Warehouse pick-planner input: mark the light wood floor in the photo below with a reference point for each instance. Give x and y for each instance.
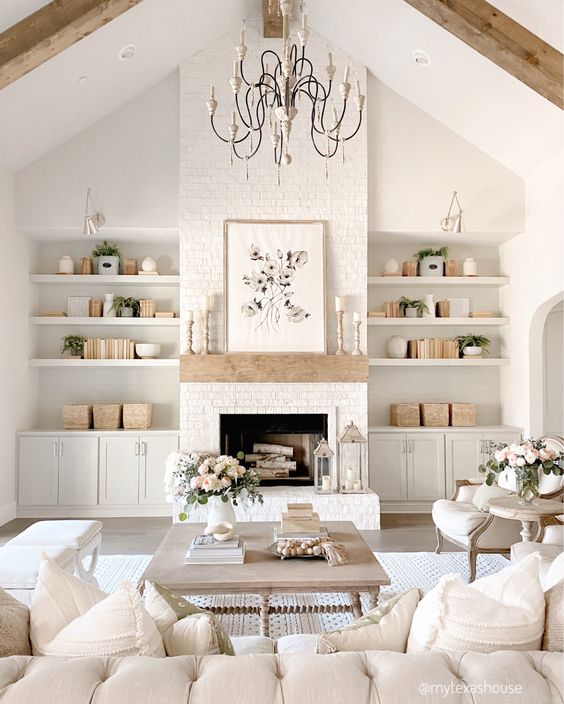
(401, 532)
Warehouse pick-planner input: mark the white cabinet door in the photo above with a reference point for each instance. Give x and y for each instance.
(387, 456)
(425, 466)
(463, 457)
(78, 471)
(38, 471)
(119, 470)
(154, 451)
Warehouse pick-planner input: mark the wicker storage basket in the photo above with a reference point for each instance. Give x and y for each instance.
(77, 417)
(107, 416)
(462, 415)
(404, 415)
(137, 416)
(434, 415)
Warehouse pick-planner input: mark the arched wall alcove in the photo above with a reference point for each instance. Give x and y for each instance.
(536, 363)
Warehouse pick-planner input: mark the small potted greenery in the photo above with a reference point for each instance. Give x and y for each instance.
(107, 257)
(431, 261)
(412, 307)
(472, 345)
(73, 346)
(126, 307)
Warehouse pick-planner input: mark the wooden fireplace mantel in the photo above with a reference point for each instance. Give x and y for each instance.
(277, 368)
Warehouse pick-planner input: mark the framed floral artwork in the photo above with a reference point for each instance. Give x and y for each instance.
(274, 286)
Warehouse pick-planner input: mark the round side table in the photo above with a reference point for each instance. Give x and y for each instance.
(513, 507)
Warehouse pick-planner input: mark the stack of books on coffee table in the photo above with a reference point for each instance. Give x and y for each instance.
(206, 550)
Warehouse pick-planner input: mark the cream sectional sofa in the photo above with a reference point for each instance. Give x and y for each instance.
(376, 677)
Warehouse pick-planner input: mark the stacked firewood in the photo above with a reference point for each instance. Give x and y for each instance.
(272, 461)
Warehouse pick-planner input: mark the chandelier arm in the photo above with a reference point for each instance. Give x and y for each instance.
(243, 73)
(247, 125)
(263, 101)
(251, 155)
(315, 144)
(346, 139)
(215, 130)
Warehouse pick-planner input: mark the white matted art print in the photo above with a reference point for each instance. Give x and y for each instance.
(274, 285)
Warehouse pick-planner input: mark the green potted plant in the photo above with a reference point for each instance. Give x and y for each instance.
(107, 257)
(412, 307)
(126, 307)
(472, 345)
(431, 261)
(73, 346)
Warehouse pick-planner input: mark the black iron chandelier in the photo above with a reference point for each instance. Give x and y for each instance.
(268, 106)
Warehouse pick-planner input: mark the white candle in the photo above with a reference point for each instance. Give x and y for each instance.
(275, 127)
(346, 75)
(205, 302)
(357, 86)
(233, 118)
(190, 316)
(330, 58)
(212, 91)
(236, 68)
(242, 34)
(339, 304)
(335, 116)
(356, 317)
(326, 483)
(351, 474)
(304, 21)
(348, 485)
(357, 486)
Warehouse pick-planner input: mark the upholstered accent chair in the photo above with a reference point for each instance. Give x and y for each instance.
(479, 532)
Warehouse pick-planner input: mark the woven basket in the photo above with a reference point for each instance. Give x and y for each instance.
(462, 415)
(405, 415)
(77, 417)
(107, 416)
(137, 416)
(409, 268)
(434, 415)
(130, 267)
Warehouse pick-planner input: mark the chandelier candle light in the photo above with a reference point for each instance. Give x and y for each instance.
(269, 104)
(340, 309)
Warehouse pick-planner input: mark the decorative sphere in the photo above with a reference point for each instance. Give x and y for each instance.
(286, 159)
(149, 264)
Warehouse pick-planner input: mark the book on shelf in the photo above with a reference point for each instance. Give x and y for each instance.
(112, 348)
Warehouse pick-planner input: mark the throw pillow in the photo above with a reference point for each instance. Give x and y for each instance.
(485, 493)
(70, 618)
(186, 629)
(14, 626)
(554, 620)
(554, 573)
(383, 628)
(504, 611)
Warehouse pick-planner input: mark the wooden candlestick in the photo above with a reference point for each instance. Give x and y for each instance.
(189, 349)
(205, 332)
(356, 350)
(340, 349)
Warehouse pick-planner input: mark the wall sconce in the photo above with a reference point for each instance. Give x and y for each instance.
(453, 221)
(93, 220)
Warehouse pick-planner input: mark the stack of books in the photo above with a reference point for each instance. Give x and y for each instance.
(432, 349)
(206, 550)
(96, 348)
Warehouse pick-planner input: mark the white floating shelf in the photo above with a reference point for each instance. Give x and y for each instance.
(82, 363)
(439, 322)
(104, 280)
(102, 322)
(482, 362)
(432, 281)
(122, 234)
(438, 237)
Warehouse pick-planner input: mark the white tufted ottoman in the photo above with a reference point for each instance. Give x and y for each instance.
(19, 565)
(84, 538)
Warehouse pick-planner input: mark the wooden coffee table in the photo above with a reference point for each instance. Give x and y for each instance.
(264, 574)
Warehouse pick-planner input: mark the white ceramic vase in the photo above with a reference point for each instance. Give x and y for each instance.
(411, 313)
(430, 303)
(66, 265)
(109, 310)
(472, 351)
(470, 267)
(397, 347)
(220, 511)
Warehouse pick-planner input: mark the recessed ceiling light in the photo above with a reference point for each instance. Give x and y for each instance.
(82, 81)
(421, 57)
(127, 52)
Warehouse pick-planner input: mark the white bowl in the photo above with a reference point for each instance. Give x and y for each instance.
(472, 351)
(147, 350)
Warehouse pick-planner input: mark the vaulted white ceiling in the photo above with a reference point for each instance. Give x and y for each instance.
(460, 88)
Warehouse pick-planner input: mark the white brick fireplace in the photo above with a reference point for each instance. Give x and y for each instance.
(212, 191)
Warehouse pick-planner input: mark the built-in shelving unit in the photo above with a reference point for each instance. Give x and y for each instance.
(441, 322)
(103, 322)
(480, 362)
(70, 362)
(433, 281)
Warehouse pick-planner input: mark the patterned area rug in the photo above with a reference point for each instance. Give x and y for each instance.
(406, 570)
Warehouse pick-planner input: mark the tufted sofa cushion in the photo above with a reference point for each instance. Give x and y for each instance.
(375, 677)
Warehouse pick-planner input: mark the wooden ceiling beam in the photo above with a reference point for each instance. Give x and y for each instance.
(52, 29)
(502, 40)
